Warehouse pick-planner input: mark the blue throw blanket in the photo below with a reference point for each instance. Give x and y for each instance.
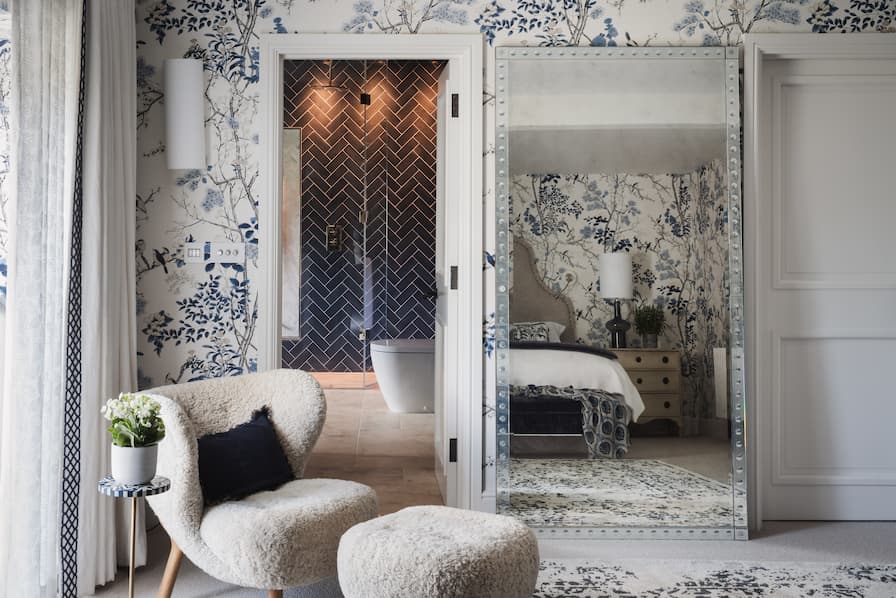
(605, 417)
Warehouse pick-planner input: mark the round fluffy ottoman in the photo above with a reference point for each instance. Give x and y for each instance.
(438, 552)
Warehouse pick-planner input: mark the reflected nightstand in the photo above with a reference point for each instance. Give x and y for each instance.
(656, 373)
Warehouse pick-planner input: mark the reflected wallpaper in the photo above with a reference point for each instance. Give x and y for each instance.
(5, 141)
(676, 228)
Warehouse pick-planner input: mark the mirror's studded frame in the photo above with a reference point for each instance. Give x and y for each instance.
(730, 55)
(736, 294)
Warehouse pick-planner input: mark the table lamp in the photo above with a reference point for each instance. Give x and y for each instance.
(616, 284)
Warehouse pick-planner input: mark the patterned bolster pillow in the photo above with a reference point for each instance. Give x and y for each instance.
(538, 332)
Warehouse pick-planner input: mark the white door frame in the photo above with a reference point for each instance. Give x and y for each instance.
(464, 53)
(759, 48)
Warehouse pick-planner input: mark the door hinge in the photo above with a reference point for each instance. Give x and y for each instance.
(452, 450)
(455, 105)
(453, 278)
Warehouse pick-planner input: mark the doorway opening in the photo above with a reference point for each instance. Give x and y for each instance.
(358, 242)
(370, 278)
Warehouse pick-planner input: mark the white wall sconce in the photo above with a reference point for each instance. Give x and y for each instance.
(184, 114)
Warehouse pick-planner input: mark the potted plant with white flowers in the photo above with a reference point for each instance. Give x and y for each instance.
(136, 428)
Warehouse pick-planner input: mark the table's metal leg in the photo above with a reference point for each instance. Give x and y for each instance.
(133, 545)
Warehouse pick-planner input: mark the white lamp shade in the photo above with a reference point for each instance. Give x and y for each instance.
(184, 114)
(616, 276)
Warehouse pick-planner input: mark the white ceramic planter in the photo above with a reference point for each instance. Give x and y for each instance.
(134, 465)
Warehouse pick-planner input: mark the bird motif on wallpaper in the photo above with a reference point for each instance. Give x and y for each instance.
(160, 258)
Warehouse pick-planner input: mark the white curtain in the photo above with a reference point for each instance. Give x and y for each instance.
(108, 300)
(46, 79)
(46, 35)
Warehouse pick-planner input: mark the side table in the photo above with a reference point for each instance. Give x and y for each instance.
(656, 373)
(110, 487)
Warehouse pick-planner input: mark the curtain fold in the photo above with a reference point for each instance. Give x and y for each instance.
(70, 339)
(108, 298)
(44, 99)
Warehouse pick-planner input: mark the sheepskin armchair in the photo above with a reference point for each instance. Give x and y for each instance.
(272, 539)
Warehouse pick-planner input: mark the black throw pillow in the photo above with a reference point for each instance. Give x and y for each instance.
(241, 461)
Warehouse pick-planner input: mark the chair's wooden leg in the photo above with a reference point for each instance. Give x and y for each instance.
(275, 593)
(171, 569)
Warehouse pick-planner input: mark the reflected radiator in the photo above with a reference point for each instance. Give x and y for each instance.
(720, 374)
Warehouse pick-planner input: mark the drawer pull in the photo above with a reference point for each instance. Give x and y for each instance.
(667, 404)
(638, 359)
(640, 381)
(665, 381)
(665, 359)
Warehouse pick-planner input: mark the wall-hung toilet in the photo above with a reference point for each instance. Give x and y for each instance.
(405, 371)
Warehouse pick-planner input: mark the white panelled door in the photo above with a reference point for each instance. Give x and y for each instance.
(821, 221)
(446, 346)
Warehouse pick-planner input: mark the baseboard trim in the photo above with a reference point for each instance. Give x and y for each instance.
(714, 428)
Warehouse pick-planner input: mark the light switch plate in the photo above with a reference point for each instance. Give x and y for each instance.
(194, 253)
(228, 253)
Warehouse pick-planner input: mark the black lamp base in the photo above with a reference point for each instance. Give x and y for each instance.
(618, 327)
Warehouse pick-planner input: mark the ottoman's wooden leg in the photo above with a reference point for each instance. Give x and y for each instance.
(275, 593)
(171, 569)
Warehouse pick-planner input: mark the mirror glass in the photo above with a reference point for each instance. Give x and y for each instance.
(616, 338)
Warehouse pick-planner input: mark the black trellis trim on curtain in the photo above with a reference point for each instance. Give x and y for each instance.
(71, 427)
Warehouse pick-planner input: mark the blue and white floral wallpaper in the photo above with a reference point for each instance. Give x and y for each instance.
(195, 322)
(5, 142)
(675, 226)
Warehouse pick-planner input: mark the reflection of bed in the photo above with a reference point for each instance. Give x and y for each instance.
(532, 301)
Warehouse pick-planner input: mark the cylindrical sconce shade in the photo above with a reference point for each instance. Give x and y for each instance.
(184, 114)
(616, 276)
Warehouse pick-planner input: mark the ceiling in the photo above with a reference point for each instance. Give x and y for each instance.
(635, 150)
(604, 116)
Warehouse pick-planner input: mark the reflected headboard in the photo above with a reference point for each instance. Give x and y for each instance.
(530, 298)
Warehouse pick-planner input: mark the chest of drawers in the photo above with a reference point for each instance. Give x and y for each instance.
(656, 373)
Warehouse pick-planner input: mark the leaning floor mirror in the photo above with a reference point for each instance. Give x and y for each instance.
(620, 399)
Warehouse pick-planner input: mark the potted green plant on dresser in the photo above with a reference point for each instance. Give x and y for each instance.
(649, 322)
(136, 427)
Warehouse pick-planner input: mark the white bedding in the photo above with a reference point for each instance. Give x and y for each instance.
(552, 367)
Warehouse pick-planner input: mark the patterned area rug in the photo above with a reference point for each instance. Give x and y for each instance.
(686, 579)
(615, 493)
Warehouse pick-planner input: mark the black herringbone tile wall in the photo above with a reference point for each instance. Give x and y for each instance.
(379, 290)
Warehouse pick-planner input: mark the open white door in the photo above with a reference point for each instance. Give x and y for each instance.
(446, 350)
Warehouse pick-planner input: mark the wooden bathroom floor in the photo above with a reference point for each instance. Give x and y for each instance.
(364, 442)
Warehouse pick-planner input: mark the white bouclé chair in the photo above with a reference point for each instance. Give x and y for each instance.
(270, 540)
